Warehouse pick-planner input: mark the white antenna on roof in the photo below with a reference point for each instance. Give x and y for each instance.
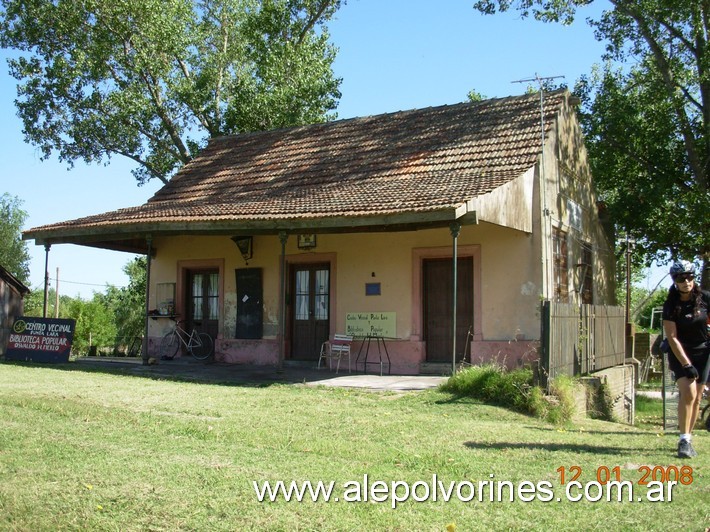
(545, 211)
(541, 83)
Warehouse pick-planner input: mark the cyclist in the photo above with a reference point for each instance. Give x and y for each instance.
(685, 317)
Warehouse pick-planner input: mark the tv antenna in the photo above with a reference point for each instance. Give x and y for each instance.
(547, 221)
(540, 79)
(541, 82)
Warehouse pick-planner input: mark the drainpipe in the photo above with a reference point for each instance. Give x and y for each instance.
(283, 238)
(546, 235)
(46, 278)
(455, 228)
(149, 241)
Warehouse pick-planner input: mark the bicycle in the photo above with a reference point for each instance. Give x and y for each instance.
(198, 344)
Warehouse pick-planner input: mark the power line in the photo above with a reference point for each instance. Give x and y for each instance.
(64, 281)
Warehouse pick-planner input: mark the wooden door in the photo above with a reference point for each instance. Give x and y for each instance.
(203, 301)
(310, 314)
(250, 305)
(438, 304)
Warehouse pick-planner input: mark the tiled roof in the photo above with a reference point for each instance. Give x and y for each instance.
(404, 162)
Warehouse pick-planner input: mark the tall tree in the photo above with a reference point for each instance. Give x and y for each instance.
(128, 303)
(94, 322)
(647, 118)
(151, 80)
(14, 255)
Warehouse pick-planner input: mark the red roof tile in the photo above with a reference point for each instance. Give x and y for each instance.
(405, 162)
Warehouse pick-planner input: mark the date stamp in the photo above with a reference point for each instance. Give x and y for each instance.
(681, 475)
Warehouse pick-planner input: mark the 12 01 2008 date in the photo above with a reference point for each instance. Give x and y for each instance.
(604, 474)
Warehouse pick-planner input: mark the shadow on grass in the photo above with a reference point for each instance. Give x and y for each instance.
(555, 447)
(632, 430)
(190, 372)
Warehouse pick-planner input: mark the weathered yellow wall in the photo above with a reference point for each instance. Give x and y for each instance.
(508, 272)
(569, 178)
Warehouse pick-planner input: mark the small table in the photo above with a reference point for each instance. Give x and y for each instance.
(366, 340)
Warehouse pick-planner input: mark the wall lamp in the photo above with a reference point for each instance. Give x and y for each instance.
(245, 245)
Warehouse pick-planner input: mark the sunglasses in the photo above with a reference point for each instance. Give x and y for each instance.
(684, 277)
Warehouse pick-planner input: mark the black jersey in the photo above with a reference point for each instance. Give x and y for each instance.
(691, 326)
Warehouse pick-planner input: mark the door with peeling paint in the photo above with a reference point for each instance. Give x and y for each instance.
(438, 303)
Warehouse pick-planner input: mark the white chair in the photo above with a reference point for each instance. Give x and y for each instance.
(336, 349)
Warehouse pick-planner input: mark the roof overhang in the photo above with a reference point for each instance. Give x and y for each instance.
(133, 237)
(13, 282)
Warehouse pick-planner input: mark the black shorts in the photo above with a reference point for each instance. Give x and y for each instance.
(699, 360)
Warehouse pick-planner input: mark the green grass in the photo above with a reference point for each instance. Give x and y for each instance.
(649, 413)
(496, 385)
(656, 384)
(91, 451)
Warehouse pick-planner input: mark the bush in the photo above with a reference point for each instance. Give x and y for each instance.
(496, 385)
(602, 403)
(562, 388)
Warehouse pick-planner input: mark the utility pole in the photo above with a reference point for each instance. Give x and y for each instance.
(630, 242)
(56, 296)
(46, 279)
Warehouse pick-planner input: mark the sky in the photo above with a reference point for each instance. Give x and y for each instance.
(393, 55)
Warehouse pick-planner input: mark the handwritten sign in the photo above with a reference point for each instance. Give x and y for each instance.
(371, 324)
(40, 340)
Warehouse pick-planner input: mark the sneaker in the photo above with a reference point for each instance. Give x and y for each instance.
(685, 450)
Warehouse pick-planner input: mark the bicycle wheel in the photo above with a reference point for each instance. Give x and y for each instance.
(169, 346)
(201, 347)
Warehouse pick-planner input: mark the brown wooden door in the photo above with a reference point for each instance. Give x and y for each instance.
(438, 304)
(310, 304)
(203, 301)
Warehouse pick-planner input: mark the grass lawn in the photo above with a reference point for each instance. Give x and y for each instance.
(95, 451)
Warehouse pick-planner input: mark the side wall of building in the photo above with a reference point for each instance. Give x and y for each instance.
(11, 306)
(574, 211)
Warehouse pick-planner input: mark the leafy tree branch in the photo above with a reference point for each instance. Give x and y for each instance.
(646, 117)
(152, 80)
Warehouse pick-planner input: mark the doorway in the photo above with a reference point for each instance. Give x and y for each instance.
(438, 303)
(310, 309)
(203, 301)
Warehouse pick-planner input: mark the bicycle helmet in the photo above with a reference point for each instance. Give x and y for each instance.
(682, 266)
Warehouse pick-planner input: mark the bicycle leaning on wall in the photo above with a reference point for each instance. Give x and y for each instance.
(198, 344)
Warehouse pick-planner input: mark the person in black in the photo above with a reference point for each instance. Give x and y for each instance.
(685, 324)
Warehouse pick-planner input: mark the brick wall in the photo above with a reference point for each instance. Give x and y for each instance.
(619, 382)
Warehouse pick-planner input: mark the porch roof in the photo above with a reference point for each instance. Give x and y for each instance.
(404, 170)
